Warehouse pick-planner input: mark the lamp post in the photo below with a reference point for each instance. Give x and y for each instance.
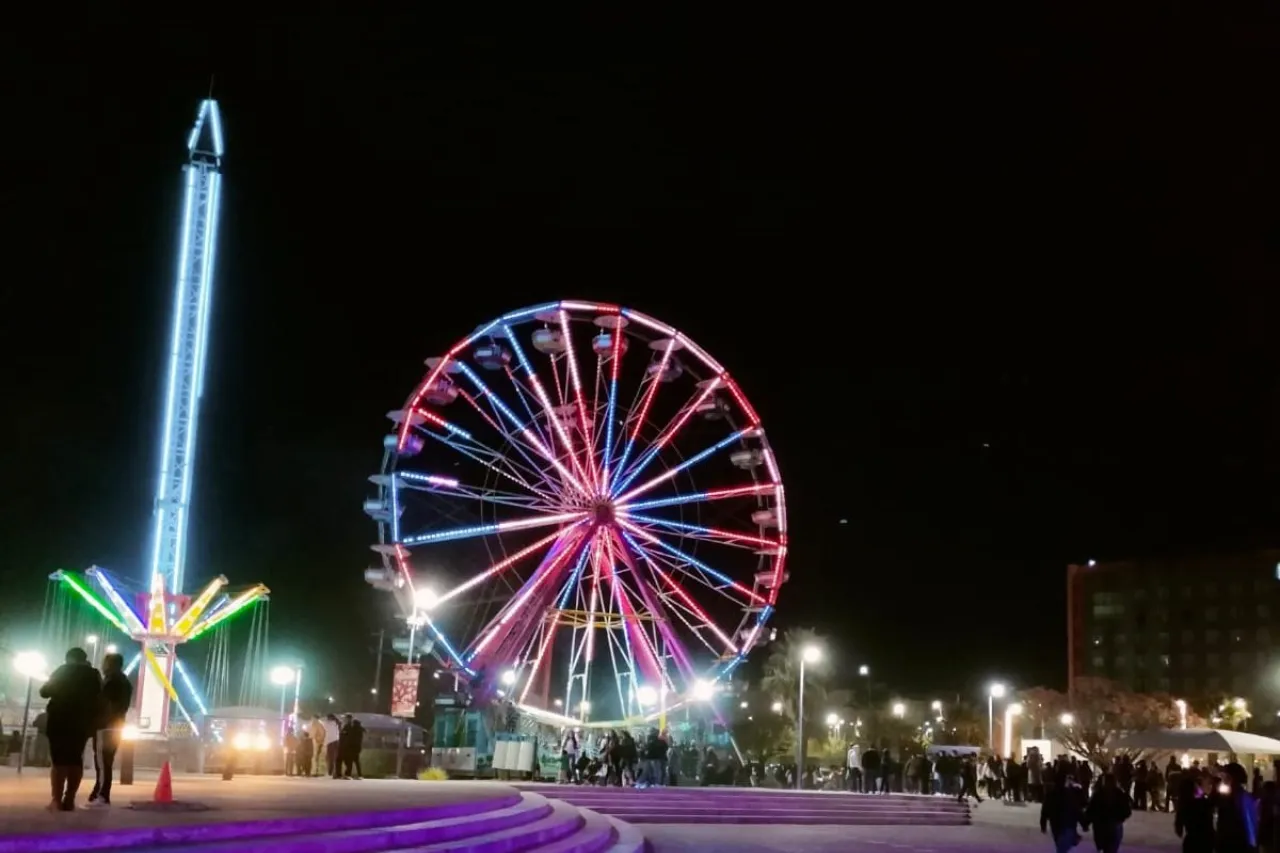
(1182, 711)
(92, 642)
(809, 654)
(994, 692)
(282, 677)
(32, 665)
(864, 672)
(1010, 712)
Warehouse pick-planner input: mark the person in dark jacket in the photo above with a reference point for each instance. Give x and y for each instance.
(1063, 813)
(74, 692)
(1108, 809)
(350, 745)
(1193, 814)
(1237, 830)
(117, 696)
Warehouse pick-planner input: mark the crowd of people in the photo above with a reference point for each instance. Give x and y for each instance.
(616, 759)
(327, 747)
(85, 706)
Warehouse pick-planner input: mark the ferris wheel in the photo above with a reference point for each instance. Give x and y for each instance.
(578, 506)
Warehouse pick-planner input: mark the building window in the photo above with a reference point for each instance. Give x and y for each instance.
(1210, 590)
(1211, 659)
(1211, 614)
(1163, 683)
(1164, 661)
(1237, 588)
(1211, 636)
(1099, 661)
(1239, 659)
(1162, 639)
(1188, 636)
(1107, 611)
(1264, 611)
(1097, 640)
(1120, 640)
(1162, 593)
(1263, 635)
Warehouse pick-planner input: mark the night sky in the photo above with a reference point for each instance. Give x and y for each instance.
(1002, 292)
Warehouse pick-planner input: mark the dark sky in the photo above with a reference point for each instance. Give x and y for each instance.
(1001, 290)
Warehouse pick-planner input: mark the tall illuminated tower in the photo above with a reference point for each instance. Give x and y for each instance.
(189, 343)
(188, 346)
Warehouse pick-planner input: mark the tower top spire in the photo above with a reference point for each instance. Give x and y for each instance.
(207, 144)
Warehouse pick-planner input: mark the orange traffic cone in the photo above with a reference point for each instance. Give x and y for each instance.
(164, 786)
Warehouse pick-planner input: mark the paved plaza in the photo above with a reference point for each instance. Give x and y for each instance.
(996, 828)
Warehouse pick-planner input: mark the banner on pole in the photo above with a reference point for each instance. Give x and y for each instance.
(404, 690)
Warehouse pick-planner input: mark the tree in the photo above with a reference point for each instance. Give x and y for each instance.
(1097, 711)
(782, 678)
(764, 734)
(962, 725)
(1230, 713)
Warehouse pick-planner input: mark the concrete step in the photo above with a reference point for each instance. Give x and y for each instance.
(595, 835)
(231, 835)
(752, 806)
(532, 809)
(627, 839)
(564, 824)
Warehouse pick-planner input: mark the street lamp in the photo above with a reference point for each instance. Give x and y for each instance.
(899, 710)
(1182, 711)
(282, 676)
(1067, 719)
(776, 707)
(832, 720)
(994, 692)
(809, 654)
(1010, 712)
(31, 665)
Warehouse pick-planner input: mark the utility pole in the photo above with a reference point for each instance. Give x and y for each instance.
(377, 670)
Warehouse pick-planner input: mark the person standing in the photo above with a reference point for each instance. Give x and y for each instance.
(332, 732)
(1062, 813)
(117, 696)
(969, 781)
(1193, 815)
(74, 692)
(1108, 809)
(317, 739)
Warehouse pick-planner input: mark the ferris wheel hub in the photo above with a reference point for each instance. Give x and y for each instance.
(604, 512)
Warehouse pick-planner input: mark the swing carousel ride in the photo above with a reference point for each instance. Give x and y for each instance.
(539, 520)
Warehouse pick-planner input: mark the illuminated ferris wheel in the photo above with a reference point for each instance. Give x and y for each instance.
(579, 507)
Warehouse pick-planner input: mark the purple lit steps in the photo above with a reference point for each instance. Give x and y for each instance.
(763, 806)
(524, 823)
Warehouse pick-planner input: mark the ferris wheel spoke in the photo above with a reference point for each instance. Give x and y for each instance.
(524, 395)
(670, 590)
(499, 566)
(664, 436)
(685, 561)
(585, 419)
(520, 429)
(653, 601)
(671, 472)
(449, 487)
(551, 563)
(532, 469)
(467, 445)
(733, 538)
(753, 490)
(475, 530)
(636, 419)
(616, 350)
(557, 426)
(630, 618)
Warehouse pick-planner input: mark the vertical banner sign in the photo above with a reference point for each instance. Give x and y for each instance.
(404, 690)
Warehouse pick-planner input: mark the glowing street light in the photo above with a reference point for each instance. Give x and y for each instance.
(833, 719)
(282, 676)
(1182, 711)
(30, 665)
(425, 598)
(899, 710)
(1067, 719)
(776, 707)
(509, 677)
(742, 705)
(809, 654)
(1010, 712)
(112, 649)
(994, 692)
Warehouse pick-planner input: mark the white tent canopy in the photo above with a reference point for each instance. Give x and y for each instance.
(1198, 740)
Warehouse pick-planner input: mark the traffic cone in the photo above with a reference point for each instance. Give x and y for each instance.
(164, 786)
